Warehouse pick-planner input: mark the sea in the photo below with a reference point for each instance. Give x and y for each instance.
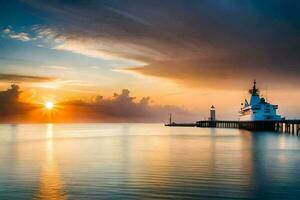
(146, 161)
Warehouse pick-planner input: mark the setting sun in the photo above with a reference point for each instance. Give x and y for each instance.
(49, 105)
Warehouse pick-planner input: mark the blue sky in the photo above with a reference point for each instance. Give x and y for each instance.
(36, 55)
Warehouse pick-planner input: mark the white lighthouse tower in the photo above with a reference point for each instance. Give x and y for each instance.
(212, 113)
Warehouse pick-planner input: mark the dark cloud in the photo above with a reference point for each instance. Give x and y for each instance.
(23, 78)
(194, 42)
(9, 100)
(10, 104)
(216, 74)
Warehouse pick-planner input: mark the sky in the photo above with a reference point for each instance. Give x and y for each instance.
(177, 56)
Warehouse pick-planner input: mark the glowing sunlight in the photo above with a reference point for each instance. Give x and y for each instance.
(49, 105)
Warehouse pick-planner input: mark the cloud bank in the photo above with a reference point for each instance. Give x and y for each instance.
(24, 78)
(205, 44)
(125, 108)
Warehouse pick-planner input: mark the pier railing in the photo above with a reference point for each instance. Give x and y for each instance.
(283, 126)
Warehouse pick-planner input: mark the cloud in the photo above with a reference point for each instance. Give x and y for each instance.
(24, 78)
(55, 67)
(9, 103)
(6, 31)
(20, 36)
(16, 36)
(86, 48)
(204, 44)
(103, 48)
(215, 74)
(125, 108)
(48, 34)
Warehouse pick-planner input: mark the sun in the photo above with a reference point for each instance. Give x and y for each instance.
(49, 105)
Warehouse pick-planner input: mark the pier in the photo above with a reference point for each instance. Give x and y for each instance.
(282, 126)
(255, 115)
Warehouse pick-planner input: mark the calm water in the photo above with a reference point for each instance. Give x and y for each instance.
(146, 161)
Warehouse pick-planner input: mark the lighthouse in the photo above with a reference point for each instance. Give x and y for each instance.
(212, 113)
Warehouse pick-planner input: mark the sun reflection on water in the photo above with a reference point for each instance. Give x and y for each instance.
(51, 185)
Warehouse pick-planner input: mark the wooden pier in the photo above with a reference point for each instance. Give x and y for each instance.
(283, 126)
(182, 124)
